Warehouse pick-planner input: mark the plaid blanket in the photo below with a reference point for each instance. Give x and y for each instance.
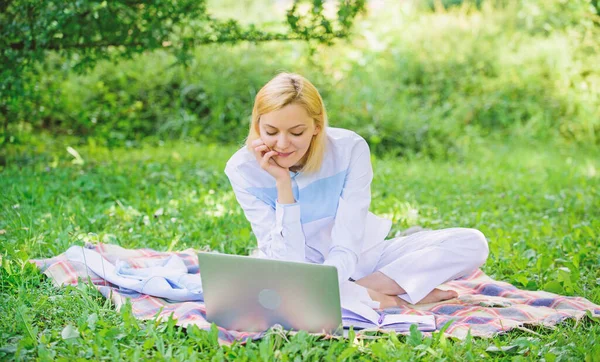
(485, 306)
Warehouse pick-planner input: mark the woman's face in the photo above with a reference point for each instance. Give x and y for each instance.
(288, 131)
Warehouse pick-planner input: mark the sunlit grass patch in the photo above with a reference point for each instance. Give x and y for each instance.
(538, 206)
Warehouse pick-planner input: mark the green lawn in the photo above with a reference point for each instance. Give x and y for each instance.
(539, 206)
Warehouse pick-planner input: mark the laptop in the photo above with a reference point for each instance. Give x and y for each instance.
(245, 293)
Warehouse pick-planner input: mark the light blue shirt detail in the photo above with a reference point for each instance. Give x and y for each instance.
(317, 201)
(269, 194)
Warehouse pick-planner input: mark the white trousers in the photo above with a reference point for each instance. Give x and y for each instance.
(422, 261)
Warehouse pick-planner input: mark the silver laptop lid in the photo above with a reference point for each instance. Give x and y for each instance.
(250, 294)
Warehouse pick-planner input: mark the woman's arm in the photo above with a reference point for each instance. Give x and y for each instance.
(278, 231)
(348, 231)
(285, 194)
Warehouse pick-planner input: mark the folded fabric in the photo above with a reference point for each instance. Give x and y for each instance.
(484, 308)
(167, 278)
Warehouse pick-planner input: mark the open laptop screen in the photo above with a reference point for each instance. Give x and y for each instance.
(252, 294)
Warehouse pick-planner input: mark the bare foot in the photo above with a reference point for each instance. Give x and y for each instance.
(388, 301)
(438, 295)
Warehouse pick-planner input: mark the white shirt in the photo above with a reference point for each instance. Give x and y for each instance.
(330, 222)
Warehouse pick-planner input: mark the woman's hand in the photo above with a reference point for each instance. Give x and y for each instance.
(264, 156)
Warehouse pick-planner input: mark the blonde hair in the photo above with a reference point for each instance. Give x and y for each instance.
(289, 88)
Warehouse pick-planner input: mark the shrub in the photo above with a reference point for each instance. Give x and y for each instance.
(411, 82)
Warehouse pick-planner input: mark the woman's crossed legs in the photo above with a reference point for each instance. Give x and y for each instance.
(411, 267)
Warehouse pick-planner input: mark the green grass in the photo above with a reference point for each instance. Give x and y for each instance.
(539, 206)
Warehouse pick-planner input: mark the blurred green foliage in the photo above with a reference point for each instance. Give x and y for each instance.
(412, 81)
(87, 31)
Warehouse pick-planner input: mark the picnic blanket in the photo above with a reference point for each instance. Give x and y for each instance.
(485, 307)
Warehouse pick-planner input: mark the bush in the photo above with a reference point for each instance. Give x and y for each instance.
(412, 82)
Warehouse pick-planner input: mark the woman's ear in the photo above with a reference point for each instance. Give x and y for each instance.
(317, 130)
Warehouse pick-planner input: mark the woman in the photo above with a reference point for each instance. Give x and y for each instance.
(306, 190)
